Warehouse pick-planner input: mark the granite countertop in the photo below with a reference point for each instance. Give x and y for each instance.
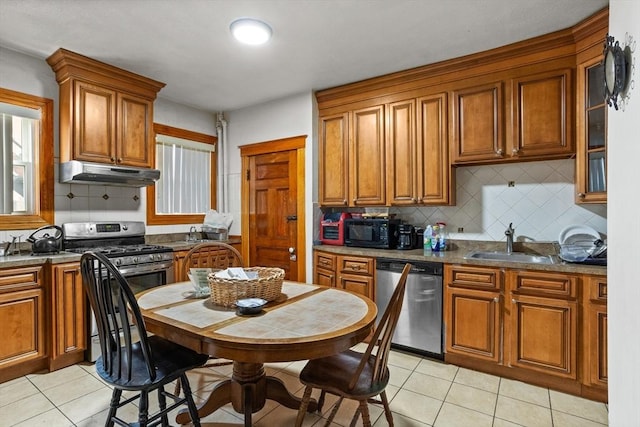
(27, 259)
(459, 248)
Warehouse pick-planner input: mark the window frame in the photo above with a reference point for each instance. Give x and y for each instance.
(153, 218)
(43, 187)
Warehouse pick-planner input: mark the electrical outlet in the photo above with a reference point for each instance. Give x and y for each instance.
(511, 184)
(460, 229)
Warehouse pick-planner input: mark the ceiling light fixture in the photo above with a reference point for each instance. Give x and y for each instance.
(250, 31)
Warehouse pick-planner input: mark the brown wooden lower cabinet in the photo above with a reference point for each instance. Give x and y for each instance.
(68, 316)
(23, 320)
(353, 273)
(526, 325)
(595, 341)
(473, 312)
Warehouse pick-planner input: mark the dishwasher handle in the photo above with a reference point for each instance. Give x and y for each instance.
(417, 267)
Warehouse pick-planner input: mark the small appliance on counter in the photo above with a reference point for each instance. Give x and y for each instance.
(332, 228)
(46, 243)
(407, 237)
(379, 233)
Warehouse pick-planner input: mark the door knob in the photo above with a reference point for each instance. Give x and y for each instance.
(292, 254)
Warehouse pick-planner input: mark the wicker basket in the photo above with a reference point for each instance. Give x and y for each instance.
(226, 292)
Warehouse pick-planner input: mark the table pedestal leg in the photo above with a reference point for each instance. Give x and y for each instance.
(247, 391)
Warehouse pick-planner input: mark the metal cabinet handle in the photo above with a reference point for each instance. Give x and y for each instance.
(496, 299)
(515, 150)
(499, 151)
(513, 300)
(581, 195)
(344, 202)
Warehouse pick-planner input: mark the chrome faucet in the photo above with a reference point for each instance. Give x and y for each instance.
(509, 233)
(191, 237)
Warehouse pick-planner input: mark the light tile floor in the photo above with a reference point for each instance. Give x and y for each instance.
(422, 392)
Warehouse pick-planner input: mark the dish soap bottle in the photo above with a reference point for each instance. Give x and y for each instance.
(435, 239)
(426, 240)
(443, 237)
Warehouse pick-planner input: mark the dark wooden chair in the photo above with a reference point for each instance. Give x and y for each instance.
(217, 256)
(142, 366)
(354, 375)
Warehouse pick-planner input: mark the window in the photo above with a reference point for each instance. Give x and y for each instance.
(187, 186)
(26, 161)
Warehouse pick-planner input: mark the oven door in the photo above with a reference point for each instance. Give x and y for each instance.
(139, 279)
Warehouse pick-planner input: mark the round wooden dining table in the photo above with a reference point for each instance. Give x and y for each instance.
(305, 322)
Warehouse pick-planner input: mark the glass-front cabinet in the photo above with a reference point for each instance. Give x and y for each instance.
(591, 156)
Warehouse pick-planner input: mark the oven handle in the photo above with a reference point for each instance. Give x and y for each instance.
(141, 269)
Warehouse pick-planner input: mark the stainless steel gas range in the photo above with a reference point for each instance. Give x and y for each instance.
(144, 266)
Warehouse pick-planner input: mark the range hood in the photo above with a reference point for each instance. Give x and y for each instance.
(75, 172)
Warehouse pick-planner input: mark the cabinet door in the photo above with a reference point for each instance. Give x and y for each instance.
(178, 259)
(433, 174)
(68, 338)
(473, 323)
(134, 143)
(324, 277)
(333, 160)
(94, 133)
(356, 283)
(591, 133)
(542, 115)
(402, 155)
(367, 158)
(472, 312)
(22, 316)
(543, 335)
(476, 116)
(595, 334)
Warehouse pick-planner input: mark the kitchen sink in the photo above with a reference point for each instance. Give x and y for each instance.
(512, 257)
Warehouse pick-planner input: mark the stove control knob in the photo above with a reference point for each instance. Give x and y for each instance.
(134, 259)
(124, 227)
(118, 261)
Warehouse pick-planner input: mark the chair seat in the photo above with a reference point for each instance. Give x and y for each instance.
(171, 361)
(334, 373)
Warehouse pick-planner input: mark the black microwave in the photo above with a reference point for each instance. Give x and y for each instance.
(380, 233)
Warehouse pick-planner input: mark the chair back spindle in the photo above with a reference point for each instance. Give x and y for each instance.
(383, 333)
(114, 304)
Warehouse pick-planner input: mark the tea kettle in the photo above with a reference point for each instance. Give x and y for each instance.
(46, 244)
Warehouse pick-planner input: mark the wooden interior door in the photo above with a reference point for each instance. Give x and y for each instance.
(273, 216)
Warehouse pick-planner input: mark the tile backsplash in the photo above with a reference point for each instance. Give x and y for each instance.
(537, 197)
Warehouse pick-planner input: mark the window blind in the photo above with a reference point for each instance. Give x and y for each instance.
(185, 179)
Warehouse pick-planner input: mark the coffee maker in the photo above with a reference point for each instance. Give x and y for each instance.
(407, 237)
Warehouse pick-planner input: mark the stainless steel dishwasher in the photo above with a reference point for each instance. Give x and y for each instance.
(419, 328)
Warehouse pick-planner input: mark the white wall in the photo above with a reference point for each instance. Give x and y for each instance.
(624, 233)
(284, 118)
(74, 202)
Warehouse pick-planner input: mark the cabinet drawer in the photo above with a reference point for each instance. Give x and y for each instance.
(473, 278)
(325, 260)
(598, 289)
(356, 265)
(543, 284)
(20, 278)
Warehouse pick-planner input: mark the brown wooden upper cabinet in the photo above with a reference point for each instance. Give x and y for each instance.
(526, 117)
(418, 169)
(591, 125)
(352, 171)
(106, 114)
(477, 123)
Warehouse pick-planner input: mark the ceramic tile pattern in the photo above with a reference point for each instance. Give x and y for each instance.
(422, 392)
(540, 203)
